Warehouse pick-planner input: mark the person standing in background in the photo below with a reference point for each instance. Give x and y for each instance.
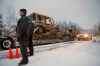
(24, 31)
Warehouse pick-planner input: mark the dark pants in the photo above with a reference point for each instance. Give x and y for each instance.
(31, 48)
(24, 51)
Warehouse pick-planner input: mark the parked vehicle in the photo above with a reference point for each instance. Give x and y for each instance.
(7, 39)
(84, 36)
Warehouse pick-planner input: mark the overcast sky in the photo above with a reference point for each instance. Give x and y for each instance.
(84, 12)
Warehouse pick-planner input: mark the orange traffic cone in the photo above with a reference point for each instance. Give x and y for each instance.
(10, 54)
(17, 53)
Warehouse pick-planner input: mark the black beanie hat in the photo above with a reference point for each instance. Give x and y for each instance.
(23, 10)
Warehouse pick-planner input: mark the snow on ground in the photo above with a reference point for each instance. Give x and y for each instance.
(75, 54)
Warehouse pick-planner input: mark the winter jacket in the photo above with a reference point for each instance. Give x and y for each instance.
(24, 29)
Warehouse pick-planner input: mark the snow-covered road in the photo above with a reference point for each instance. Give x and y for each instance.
(62, 54)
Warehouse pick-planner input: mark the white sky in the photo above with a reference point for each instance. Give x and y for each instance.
(83, 12)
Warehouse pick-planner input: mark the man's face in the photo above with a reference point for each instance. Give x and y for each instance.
(21, 13)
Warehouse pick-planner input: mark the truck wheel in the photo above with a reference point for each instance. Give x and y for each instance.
(7, 43)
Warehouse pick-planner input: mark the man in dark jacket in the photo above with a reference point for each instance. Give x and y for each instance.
(24, 36)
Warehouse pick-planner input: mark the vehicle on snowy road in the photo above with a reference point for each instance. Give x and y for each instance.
(84, 37)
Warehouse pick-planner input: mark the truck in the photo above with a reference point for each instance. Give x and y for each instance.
(45, 28)
(6, 41)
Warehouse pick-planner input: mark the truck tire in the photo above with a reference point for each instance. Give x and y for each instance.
(7, 43)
